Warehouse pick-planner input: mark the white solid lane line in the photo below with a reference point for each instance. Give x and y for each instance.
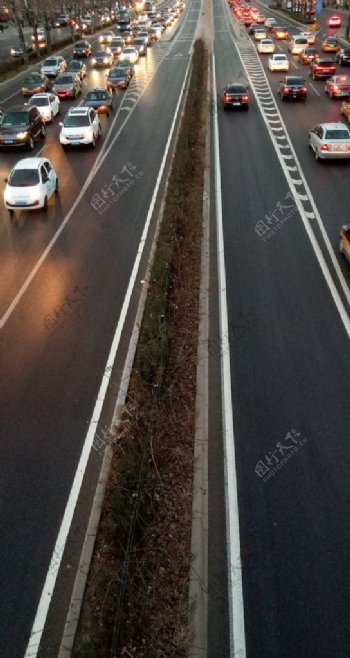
(235, 590)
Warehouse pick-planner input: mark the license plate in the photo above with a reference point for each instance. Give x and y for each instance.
(235, 103)
(339, 147)
(8, 141)
(75, 142)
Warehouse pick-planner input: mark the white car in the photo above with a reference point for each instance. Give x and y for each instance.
(30, 184)
(266, 47)
(260, 33)
(129, 54)
(311, 37)
(106, 37)
(330, 140)
(81, 126)
(297, 43)
(269, 22)
(48, 105)
(41, 36)
(278, 62)
(53, 66)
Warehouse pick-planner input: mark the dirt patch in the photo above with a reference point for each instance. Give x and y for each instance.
(136, 601)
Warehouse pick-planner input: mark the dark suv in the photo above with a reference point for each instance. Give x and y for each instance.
(21, 126)
(82, 49)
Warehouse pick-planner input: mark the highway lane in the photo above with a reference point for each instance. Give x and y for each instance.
(53, 372)
(289, 357)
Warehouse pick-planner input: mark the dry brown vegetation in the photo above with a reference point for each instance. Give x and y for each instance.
(136, 602)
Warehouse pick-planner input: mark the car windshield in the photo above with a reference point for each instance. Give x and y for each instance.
(72, 121)
(24, 178)
(15, 119)
(74, 65)
(116, 73)
(96, 96)
(39, 102)
(64, 80)
(295, 81)
(101, 53)
(50, 62)
(337, 134)
(280, 57)
(236, 89)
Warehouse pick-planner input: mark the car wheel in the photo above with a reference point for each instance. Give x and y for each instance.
(56, 188)
(45, 204)
(64, 146)
(341, 249)
(42, 132)
(30, 143)
(51, 117)
(11, 212)
(317, 157)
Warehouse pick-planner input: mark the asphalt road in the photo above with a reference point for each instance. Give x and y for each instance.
(9, 37)
(289, 362)
(53, 355)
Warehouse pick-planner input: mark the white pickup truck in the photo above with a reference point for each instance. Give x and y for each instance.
(278, 62)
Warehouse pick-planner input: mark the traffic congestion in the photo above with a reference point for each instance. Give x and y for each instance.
(80, 89)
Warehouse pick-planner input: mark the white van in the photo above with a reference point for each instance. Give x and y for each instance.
(297, 44)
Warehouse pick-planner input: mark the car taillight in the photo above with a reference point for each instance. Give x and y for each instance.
(304, 89)
(334, 87)
(245, 99)
(324, 147)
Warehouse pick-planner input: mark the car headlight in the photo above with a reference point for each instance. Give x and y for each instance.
(93, 61)
(22, 135)
(106, 60)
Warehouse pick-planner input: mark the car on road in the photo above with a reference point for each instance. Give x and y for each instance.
(106, 37)
(100, 100)
(82, 49)
(269, 23)
(81, 126)
(330, 45)
(345, 110)
(53, 66)
(34, 83)
(30, 185)
(21, 126)
(145, 34)
(292, 87)
(307, 55)
(260, 33)
(322, 67)
(17, 51)
(278, 62)
(280, 33)
(77, 67)
(67, 85)
(119, 77)
(330, 141)
(311, 36)
(102, 59)
(48, 105)
(116, 46)
(41, 34)
(343, 57)
(129, 54)
(296, 44)
(253, 27)
(266, 47)
(334, 21)
(140, 45)
(338, 86)
(235, 96)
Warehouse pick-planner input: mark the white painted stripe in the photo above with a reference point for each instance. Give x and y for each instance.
(236, 606)
(48, 589)
(314, 89)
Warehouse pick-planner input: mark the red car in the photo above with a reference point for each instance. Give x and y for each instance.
(334, 21)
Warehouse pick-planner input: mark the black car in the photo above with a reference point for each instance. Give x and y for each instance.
(292, 87)
(343, 57)
(116, 46)
(236, 97)
(82, 49)
(119, 77)
(77, 67)
(21, 126)
(253, 27)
